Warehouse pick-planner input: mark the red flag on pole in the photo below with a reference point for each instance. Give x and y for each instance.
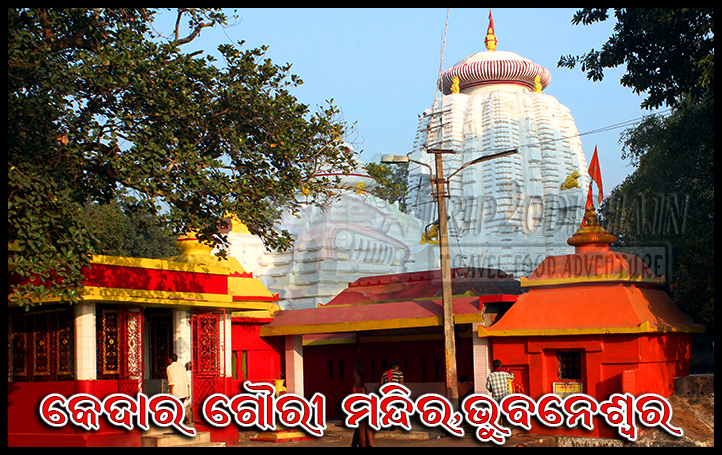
(595, 173)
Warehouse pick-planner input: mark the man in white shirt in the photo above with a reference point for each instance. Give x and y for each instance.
(180, 386)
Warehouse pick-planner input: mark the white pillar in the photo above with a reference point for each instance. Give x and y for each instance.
(294, 364)
(227, 351)
(182, 335)
(85, 343)
(482, 360)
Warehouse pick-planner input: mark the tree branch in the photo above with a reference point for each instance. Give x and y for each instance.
(193, 35)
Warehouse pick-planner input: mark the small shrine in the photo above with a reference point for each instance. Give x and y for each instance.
(596, 322)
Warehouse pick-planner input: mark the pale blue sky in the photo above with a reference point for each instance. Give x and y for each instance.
(380, 66)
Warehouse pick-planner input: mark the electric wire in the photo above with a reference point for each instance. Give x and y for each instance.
(604, 129)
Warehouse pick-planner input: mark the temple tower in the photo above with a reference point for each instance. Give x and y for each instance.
(508, 213)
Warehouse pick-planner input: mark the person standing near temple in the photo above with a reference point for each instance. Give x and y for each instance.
(363, 435)
(498, 382)
(393, 375)
(180, 386)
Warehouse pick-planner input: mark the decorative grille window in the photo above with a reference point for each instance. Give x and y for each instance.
(119, 343)
(570, 365)
(42, 346)
(107, 338)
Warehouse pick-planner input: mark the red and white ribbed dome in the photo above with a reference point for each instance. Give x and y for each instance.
(506, 210)
(493, 68)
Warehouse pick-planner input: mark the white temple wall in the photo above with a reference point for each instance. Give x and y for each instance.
(509, 212)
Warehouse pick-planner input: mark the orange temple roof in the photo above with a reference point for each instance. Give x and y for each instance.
(591, 309)
(592, 291)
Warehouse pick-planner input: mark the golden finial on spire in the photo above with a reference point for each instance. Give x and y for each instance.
(490, 39)
(591, 232)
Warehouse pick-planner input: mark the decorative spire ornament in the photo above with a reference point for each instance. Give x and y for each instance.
(490, 40)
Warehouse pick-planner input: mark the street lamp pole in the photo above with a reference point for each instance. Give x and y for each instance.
(447, 301)
(452, 384)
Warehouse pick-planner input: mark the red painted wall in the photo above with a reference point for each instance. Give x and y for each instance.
(632, 363)
(263, 356)
(124, 277)
(328, 369)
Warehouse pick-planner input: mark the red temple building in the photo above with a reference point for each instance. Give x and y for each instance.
(385, 318)
(133, 314)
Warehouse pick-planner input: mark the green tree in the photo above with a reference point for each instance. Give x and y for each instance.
(98, 104)
(668, 52)
(119, 228)
(669, 198)
(392, 182)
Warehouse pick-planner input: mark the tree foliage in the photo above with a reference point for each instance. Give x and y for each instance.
(120, 228)
(668, 52)
(669, 198)
(99, 104)
(668, 201)
(392, 182)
